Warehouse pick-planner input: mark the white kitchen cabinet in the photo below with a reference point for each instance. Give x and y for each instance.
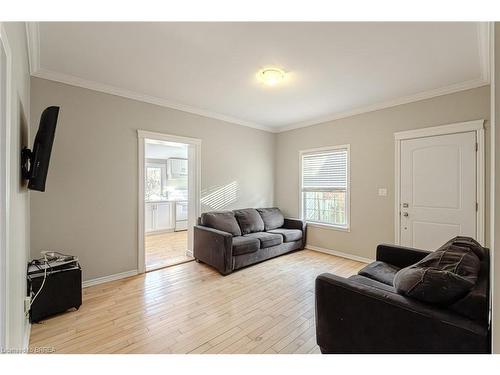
(148, 217)
(164, 216)
(159, 216)
(177, 168)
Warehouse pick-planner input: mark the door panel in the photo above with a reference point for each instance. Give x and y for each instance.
(431, 187)
(429, 235)
(438, 189)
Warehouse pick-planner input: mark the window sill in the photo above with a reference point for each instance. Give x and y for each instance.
(328, 226)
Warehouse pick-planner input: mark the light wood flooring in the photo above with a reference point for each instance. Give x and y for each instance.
(190, 308)
(166, 249)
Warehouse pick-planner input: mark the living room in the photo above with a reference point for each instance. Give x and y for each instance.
(315, 162)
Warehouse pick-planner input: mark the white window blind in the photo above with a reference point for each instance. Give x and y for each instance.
(325, 186)
(325, 170)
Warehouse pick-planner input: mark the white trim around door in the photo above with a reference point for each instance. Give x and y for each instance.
(5, 126)
(476, 126)
(194, 186)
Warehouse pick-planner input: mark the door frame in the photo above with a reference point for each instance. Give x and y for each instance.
(5, 179)
(476, 126)
(194, 187)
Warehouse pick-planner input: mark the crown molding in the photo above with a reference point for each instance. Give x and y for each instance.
(483, 41)
(33, 42)
(112, 90)
(462, 86)
(118, 91)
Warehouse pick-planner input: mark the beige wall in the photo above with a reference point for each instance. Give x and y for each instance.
(90, 206)
(372, 164)
(18, 250)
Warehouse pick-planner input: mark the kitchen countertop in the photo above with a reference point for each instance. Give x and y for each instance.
(166, 200)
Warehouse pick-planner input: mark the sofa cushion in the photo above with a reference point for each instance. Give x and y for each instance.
(475, 304)
(266, 239)
(249, 220)
(466, 242)
(272, 217)
(289, 235)
(245, 245)
(380, 271)
(442, 277)
(221, 220)
(373, 283)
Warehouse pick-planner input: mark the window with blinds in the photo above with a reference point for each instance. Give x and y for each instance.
(325, 186)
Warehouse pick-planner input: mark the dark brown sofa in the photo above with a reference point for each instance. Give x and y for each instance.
(230, 240)
(365, 314)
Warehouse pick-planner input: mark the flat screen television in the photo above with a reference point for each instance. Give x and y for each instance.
(35, 163)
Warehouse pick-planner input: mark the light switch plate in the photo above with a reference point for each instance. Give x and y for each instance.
(382, 192)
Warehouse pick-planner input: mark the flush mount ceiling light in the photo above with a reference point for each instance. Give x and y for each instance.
(271, 76)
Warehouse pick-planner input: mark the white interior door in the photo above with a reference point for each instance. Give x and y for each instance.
(438, 189)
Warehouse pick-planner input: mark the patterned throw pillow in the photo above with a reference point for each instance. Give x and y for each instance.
(442, 277)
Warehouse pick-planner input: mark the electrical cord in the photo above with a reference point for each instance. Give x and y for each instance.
(46, 264)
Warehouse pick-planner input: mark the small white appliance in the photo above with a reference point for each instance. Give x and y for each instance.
(181, 215)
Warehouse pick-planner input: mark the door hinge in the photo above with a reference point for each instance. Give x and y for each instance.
(477, 146)
(477, 206)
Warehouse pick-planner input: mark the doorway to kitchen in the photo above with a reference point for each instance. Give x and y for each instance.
(168, 196)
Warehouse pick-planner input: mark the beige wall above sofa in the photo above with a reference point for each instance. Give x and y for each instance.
(90, 206)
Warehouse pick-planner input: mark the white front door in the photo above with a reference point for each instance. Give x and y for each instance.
(438, 189)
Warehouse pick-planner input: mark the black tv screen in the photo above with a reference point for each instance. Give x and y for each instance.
(42, 147)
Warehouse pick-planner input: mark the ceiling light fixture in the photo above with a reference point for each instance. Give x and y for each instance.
(271, 76)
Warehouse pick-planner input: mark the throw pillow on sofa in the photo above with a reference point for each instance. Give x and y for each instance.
(272, 217)
(442, 277)
(467, 242)
(221, 220)
(249, 220)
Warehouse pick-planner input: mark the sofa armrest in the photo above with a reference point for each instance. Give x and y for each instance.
(356, 318)
(400, 256)
(214, 247)
(292, 223)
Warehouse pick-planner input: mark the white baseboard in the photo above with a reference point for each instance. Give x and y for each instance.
(105, 279)
(26, 337)
(339, 254)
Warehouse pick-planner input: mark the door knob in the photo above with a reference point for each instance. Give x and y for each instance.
(405, 214)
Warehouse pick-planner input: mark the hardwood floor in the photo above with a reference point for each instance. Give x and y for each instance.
(190, 308)
(166, 249)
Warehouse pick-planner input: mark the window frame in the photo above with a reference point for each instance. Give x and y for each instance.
(154, 163)
(302, 153)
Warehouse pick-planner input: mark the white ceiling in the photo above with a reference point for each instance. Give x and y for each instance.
(335, 69)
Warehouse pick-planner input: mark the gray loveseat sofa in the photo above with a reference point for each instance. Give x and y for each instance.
(230, 240)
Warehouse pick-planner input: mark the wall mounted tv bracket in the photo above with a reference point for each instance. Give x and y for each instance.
(27, 163)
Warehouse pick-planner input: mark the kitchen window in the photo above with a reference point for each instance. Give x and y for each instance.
(325, 186)
(155, 181)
